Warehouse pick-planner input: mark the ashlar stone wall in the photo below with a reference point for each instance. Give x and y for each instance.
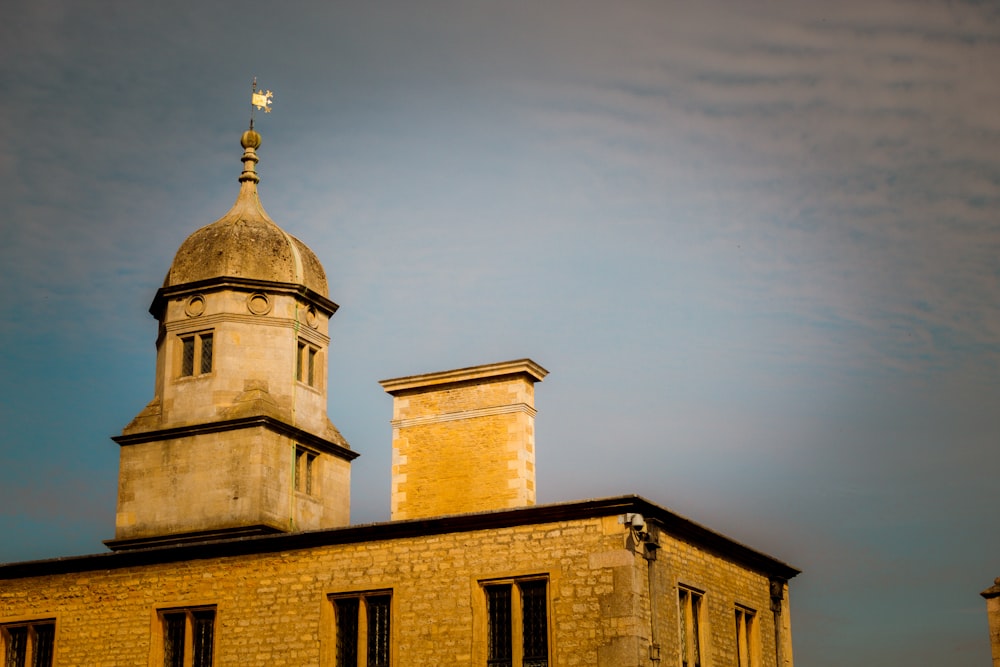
(275, 608)
(464, 440)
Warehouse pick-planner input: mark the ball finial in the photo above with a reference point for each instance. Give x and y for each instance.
(250, 139)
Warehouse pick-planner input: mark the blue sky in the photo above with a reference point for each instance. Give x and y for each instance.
(755, 244)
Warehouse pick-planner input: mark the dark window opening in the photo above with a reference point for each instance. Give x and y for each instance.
(196, 353)
(29, 644)
(517, 624)
(187, 356)
(500, 650)
(535, 625)
(362, 624)
(173, 639)
(188, 637)
(745, 640)
(206, 353)
(347, 631)
(303, 474)
(378, 630)
(305, 364)
(690, 630)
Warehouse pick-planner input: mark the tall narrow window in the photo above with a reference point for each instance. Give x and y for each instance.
(311, 367)
(188, 637)
(298, 360)
(535, 623)
(500, 644)
(346, 610)
(206, 352)
(196, 354)
(517, 628)
(28, 644)
(305, 364)
(187, 356)
(304, 464)
(361, 622)
(378, 630)
(746, 639)
(203, 626)
(173, 639)
(690, 627)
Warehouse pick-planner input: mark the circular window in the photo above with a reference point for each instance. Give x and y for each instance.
(259, 304)
(311, 318)
(195, 306)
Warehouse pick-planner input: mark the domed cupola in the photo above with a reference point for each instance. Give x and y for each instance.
(236, 440)
(246, 242)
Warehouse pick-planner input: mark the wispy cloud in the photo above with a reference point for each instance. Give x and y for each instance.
(754, 242)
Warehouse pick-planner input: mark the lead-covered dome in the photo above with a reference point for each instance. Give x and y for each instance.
(246, 242)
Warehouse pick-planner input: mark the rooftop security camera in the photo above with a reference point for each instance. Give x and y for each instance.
(637, 522)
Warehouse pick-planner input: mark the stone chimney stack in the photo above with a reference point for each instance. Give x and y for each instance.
(464, 440)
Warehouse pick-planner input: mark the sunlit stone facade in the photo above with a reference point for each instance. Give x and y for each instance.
(435, 419)
(233, 544)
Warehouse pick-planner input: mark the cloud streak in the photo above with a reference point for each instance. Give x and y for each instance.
(754, 243)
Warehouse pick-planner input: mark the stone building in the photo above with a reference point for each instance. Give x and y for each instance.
(992, 595)
(233, 543)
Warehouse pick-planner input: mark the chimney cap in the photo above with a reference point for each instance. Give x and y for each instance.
(527, 367)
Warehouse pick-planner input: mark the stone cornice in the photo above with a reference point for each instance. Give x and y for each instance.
(527, 367)
(993, 591)
(278, 426)
(243, 284)
(466, 414)
(196, 536)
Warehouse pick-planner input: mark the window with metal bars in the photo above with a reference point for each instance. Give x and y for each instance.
(188, 637)
(362, 626)
(690, 605)
(28, 644)
(196, 354)
(746, 637)
(305, 364)
(500, 651)
(517, 633)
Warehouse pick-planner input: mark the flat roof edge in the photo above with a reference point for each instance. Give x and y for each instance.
(671, 523)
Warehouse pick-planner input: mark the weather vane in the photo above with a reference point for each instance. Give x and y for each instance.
(259, 100)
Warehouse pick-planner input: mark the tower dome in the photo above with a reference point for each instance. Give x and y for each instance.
(246, 242)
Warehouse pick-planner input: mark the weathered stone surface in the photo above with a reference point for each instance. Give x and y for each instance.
(273, 608)
(464, 440)
(214, 451)
(246, 243)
